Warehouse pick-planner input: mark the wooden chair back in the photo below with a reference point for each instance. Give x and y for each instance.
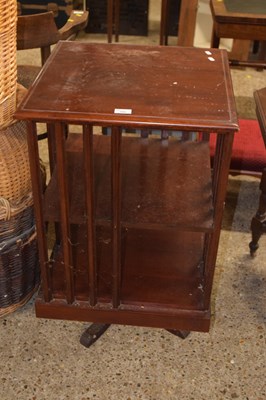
(37, 31)
(40, 30)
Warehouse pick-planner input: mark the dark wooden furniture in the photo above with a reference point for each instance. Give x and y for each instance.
(137, 221)
(258, 223)
(127, 17)
(113, 11)
(239, 19)
(40, 31)
(113, 19)
(187, 22)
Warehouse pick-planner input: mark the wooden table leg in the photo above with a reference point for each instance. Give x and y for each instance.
(240, 50)
(215, 40)
(258, 223)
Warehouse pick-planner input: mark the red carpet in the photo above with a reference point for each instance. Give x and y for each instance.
(249, 153)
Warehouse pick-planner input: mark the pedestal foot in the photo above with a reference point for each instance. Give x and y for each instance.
(92, 334)
(181, 334)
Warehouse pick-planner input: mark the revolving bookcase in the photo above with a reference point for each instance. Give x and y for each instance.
(133, 219)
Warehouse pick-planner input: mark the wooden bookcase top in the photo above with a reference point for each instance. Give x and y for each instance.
(126, 85)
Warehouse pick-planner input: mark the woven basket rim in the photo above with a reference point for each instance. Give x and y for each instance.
(11, 208)
(8, 310)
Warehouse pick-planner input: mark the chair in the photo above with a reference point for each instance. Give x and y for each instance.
(40, 31)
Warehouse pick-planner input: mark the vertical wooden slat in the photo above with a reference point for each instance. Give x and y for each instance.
(38, 209)
(90, 212)
(51, 146)
(64, 210)
(116, 213)
(220, 178)
(52, 163)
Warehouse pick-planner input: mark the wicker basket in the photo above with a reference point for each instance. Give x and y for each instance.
(15, 218)
(19, 266)
(8, 61)
(15, 181)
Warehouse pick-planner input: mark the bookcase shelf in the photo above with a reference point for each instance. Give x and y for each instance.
(154, 175)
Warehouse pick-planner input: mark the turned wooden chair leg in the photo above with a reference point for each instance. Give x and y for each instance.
(258, 223)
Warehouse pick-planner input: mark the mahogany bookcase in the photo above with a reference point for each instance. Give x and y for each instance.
(135, 221)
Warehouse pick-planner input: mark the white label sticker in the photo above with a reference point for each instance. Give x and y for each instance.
(122, 111)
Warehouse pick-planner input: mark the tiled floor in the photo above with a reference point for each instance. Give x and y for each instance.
(42, 359)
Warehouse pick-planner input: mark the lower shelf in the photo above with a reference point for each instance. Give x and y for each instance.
(162, 277)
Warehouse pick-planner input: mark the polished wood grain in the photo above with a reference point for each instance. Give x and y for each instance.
(186, 90)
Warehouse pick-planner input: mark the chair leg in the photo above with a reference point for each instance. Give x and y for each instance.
(113, 15)
(258, 223)
(110, 18)
(117, 17)
(163, 26)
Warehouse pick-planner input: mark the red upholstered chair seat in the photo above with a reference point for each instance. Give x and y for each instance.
(249, 153)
